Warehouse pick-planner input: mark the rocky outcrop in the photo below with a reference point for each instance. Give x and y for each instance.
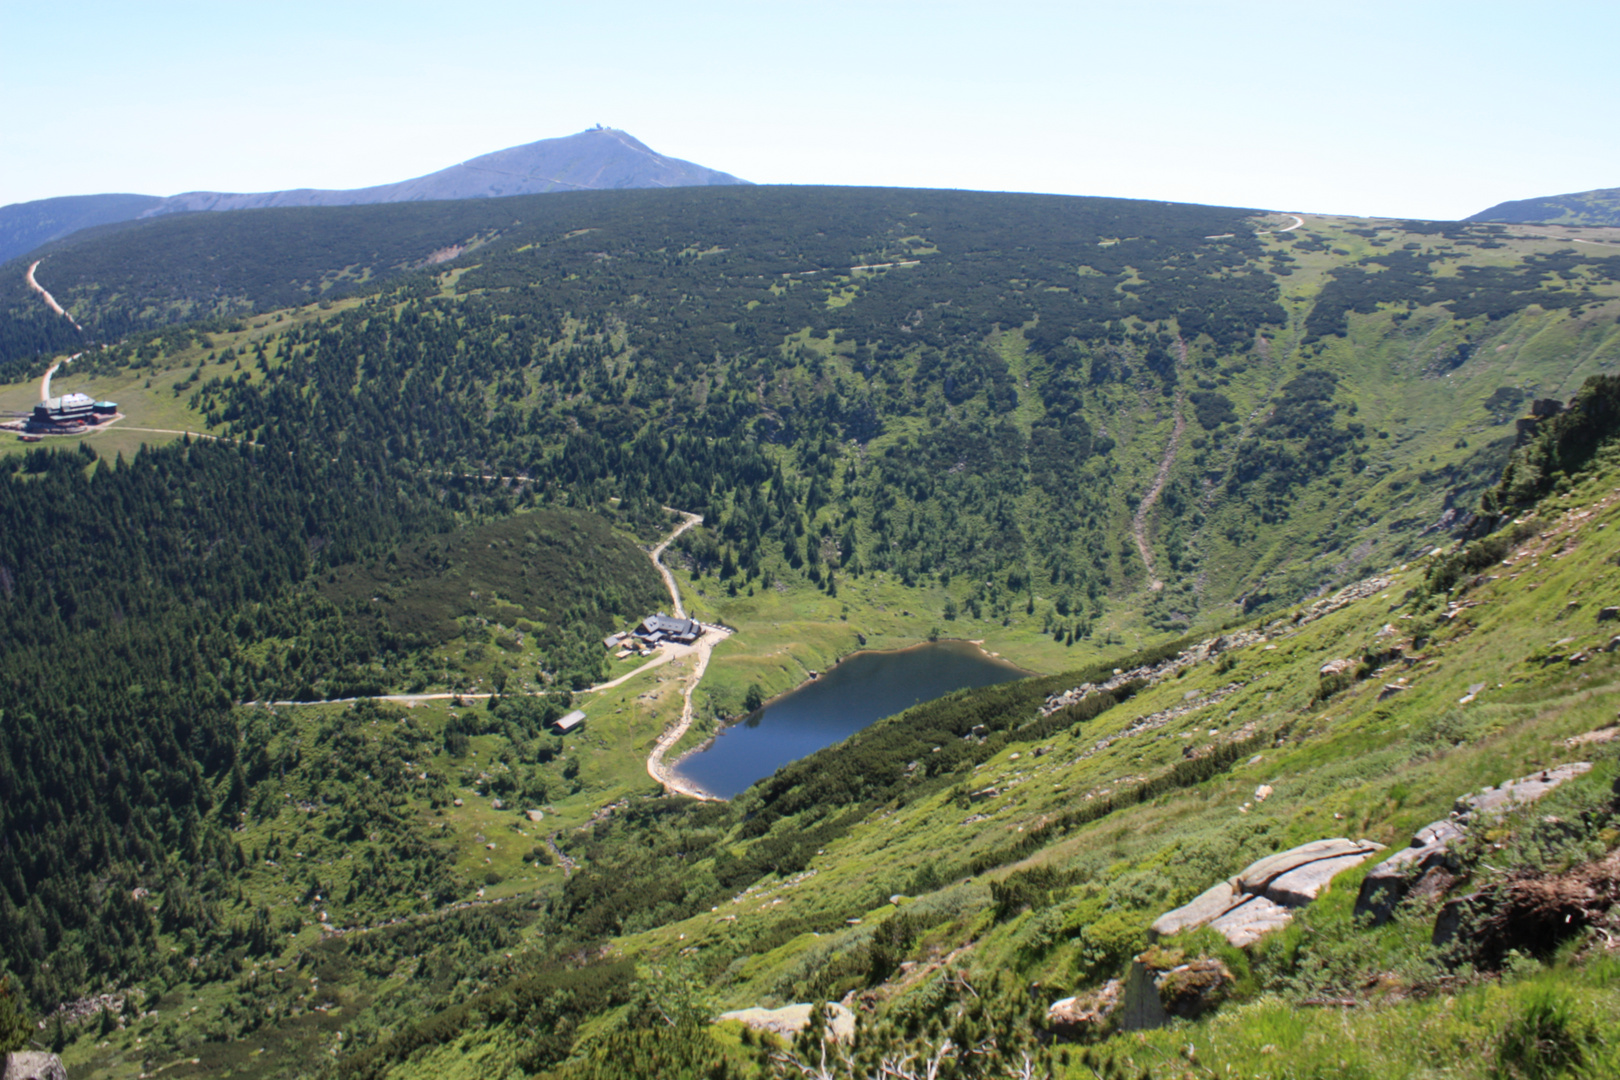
(33, 1065)
(1084, 1016)
(1162, 985)
(1212, 648)
(1262, 898)
(1188, 991)
(789, 1020)
(1425, 864)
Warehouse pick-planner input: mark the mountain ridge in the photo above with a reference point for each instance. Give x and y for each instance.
(595, 159)
(1600, 206)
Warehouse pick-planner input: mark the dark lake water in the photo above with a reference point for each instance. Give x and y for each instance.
(862, 688)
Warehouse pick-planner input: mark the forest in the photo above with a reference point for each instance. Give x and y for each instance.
(420, 469)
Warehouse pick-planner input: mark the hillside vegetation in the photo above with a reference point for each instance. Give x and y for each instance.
(1589, 208)
(1094, 434)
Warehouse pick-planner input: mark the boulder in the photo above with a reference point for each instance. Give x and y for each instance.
(1163, 985)
(1191, 990)
(1084, 1016)
(1139, 1007)
(1251, 920)
(1303, 884)
(1392, 880)
(1516, 793)
(1262, 872)
(1388, 883)
(1206, 906)
(1257, 900)
(789, 1020)
(33, 1065)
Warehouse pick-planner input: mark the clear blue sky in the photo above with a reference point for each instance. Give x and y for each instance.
(1414, 109)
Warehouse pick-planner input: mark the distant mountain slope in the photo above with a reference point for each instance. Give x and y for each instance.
(593, 160)
(601, 158)
(25, 226)
(1601, 207)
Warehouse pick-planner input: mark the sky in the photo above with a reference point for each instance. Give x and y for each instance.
(1415, 109)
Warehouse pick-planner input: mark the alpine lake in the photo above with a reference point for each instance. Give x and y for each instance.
(862, 688)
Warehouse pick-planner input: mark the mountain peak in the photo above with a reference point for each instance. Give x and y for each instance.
(594, 159)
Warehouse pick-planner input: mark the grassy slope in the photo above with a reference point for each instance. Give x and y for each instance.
(1355, 758)
(1353, 766)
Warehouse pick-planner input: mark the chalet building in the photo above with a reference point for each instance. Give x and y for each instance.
(659, 628)
(569, 724)
(71, 410)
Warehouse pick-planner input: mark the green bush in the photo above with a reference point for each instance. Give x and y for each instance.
(1551, 1036)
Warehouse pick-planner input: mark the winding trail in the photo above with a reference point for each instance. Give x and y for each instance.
(658, 555)
(45, 383)
(657, 767)
(1139, 523)
(50, 301)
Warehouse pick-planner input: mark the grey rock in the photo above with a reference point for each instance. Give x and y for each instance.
(1450, 920)
(1516, 793)
(1263, 872)
(1140, 1008)
(1608, 614)
(1291, 878)
(792, 1019)
(33, 1065)
(1251, 920)
(1084, 1015)
(1207, 905)
(1391, 881)
(1303, 884)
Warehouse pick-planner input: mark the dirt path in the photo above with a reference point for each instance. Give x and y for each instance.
(50, 301)
(657, 767)
(1139, 523)
(658, 555)
(45, 383)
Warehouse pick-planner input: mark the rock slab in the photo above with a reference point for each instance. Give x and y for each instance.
(33, 1065)
(1261, 898)
(1392, 880)
(792, 1019)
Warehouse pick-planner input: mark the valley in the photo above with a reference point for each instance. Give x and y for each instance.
(1319, 507)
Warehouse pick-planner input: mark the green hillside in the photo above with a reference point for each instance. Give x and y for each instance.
(956, 901)
(1091, 434)
(1585, 208)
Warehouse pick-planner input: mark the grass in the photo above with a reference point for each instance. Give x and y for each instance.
(1349, 765)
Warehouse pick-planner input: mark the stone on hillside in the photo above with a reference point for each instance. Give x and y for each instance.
(33, 1065)
(1084, 1016)
(1291, 878)
(1303, 884)
(1262, 872)
(1162, 985)
(792, 1019)
(1608, 614)
(1251, 920)
(1207, 905)
(1392, 880)
(1191, 990)
(1335, 667)
(1516, 793)
(1139, 1007)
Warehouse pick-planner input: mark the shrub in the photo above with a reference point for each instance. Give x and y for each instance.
(1550, 1037)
